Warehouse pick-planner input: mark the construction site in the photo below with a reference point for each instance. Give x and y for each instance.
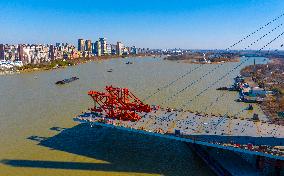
(256, 140)
(121, 109)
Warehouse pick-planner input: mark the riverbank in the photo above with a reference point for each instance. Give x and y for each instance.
(200, 58)
(270, 77)
(217, 61)
(62, 63)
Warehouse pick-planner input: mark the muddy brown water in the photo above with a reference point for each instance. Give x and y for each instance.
(39, 136)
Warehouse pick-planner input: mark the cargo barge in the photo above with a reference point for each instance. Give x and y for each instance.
(66, 81)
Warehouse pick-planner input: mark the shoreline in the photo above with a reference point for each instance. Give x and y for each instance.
(62, 64)
(194, 61)
(202, 58)
(217, 62)
(265, 76)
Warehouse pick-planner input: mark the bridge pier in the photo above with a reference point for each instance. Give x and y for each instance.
(204, 154)
(260, 163)
(277, 167)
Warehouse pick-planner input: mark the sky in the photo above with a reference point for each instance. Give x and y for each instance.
(188, 24)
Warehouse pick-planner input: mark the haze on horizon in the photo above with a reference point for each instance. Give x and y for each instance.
(205, 24)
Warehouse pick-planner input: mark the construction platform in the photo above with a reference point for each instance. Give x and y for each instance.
(223, 132)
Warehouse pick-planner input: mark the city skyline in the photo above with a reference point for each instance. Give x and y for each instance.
(158, 24)
(23, 54)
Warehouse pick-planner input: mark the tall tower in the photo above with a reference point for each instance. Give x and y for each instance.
(103, 45)
(94, 48)
(119, 48)
(20, 52)
(81, 45)
(98, 51)
(108, 47)
(52, 52)
(2, 52)
(88, 45)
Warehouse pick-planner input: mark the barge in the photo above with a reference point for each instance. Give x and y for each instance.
(66, 81)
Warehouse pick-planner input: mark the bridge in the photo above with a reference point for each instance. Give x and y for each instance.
(119, 108)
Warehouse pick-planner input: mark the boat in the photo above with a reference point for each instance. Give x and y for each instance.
(255, 117)
(222, 88)
(239, 100)
(65, 81)
(232, 89)
(129, 62)
(110, 70)
(250, 107)
(239, 79)
(249, 101)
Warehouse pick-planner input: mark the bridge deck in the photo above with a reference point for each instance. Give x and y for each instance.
(208, 128)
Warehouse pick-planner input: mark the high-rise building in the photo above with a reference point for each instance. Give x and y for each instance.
(113, 49)
(103, 45)
(97, 48)
(133, 50)
(81, 45)
(2, 52)
(88, 45)
(119, 48)
(20, 52)
(125, 50)
(94, 48)
(51, 52)
(108, 49)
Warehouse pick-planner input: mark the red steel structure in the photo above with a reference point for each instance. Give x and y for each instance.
(118, 103)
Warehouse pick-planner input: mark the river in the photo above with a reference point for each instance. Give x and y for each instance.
(34, 111)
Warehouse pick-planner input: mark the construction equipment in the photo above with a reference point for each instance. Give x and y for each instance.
(118, 103)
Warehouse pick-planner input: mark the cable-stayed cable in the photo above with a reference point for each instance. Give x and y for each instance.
(264, 35)
(187, 73)
(171, 83)
(267, 24)
(210, 71)
(183, 105)
(218, 97)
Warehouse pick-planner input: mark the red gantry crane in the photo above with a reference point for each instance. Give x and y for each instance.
(118, 103)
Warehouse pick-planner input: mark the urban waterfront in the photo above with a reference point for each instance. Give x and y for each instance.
(33, 108)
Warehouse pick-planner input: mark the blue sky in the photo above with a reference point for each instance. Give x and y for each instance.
(196, 24)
